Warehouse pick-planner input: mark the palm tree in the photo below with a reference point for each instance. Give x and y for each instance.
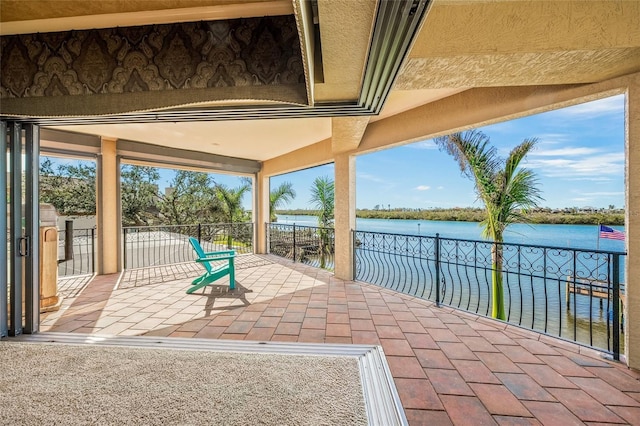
(279, 197)
(231, 199)
(506, 191)
(322, 199)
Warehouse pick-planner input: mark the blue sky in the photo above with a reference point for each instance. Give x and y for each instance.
(579, 161)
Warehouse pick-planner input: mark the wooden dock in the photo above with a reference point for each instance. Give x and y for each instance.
(592, 288)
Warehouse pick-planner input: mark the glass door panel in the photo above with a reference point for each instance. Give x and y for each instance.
(19, 292)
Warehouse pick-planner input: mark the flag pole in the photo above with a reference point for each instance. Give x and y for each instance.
(598, 254)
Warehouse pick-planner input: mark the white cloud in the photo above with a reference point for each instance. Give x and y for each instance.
(614, 104)
(590, 166)
(423, 187)
(553, 138)
(440, 187)
(506, 127)
(603, 194)
(424, 145)
(591, 179)
(370, 177)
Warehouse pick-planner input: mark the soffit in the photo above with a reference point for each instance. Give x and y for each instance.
(345, 32)
(16, 10)
(256, 140)
(345, 27)
(462, 44)
(19, 16)
(109, 71)
(404, 100)
(512, 43)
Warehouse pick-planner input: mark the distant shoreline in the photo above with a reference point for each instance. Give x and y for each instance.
(558, 217)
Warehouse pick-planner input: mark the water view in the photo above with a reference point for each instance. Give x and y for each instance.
(570, 236)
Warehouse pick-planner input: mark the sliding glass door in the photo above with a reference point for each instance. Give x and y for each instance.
(19, 226)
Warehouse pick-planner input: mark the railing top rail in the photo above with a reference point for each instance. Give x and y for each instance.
(299, 226)
(576, 249)
(185, 225)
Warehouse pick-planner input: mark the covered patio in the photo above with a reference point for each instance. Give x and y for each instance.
(448, 366)
(263, 88)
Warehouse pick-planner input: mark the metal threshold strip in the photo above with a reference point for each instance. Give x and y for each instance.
(382, 402)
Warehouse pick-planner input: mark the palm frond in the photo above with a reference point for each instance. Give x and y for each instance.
(281, 195)
(505, 189)
(323, 199)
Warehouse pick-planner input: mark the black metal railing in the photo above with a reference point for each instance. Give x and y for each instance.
(310, 245)
(78, 258)
(145, 246)
(570, 293)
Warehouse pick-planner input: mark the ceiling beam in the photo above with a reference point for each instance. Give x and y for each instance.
(84, 21)
(346, 133)
(144, 153)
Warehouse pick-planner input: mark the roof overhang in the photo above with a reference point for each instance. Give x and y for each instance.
(174, 83)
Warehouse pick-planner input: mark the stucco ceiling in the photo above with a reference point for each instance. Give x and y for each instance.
(461, 45)
(520, 43)
(255, 140)
(21, 17)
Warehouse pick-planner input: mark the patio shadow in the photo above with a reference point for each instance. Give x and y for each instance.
(220, 292)
(87, 307)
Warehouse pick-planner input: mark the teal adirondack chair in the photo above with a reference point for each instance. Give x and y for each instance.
(213, 273)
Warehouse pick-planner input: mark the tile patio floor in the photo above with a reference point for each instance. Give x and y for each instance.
(449, 367)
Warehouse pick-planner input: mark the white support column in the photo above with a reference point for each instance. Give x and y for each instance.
(108, 208)
(345, 214)
(632, 208)
(260, 211)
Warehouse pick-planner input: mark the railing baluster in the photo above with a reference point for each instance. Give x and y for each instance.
(616, 307)
(93, 250)
(437, 262)
(124, 248)
(294, 243)
(575, 300)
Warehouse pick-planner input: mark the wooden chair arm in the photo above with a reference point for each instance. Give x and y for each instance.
(225, 252)
(214, 258)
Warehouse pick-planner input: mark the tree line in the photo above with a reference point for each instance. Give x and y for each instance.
(477, 215)
(193, 197)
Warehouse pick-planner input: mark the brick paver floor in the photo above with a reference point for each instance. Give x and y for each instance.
(449, 366)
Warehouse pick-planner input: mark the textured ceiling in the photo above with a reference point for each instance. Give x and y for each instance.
(520, 43)
(127, 69)
(23, 17)
(345, 29)
(462, 44)
(518, 69)
(17, 10)
(255, 140)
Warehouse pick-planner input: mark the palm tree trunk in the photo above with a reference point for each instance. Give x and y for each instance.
(230, 235)
(497, 310)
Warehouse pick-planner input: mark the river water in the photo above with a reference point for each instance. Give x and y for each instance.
(570, 236)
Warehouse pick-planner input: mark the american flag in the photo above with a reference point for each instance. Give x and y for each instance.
(610, 233)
